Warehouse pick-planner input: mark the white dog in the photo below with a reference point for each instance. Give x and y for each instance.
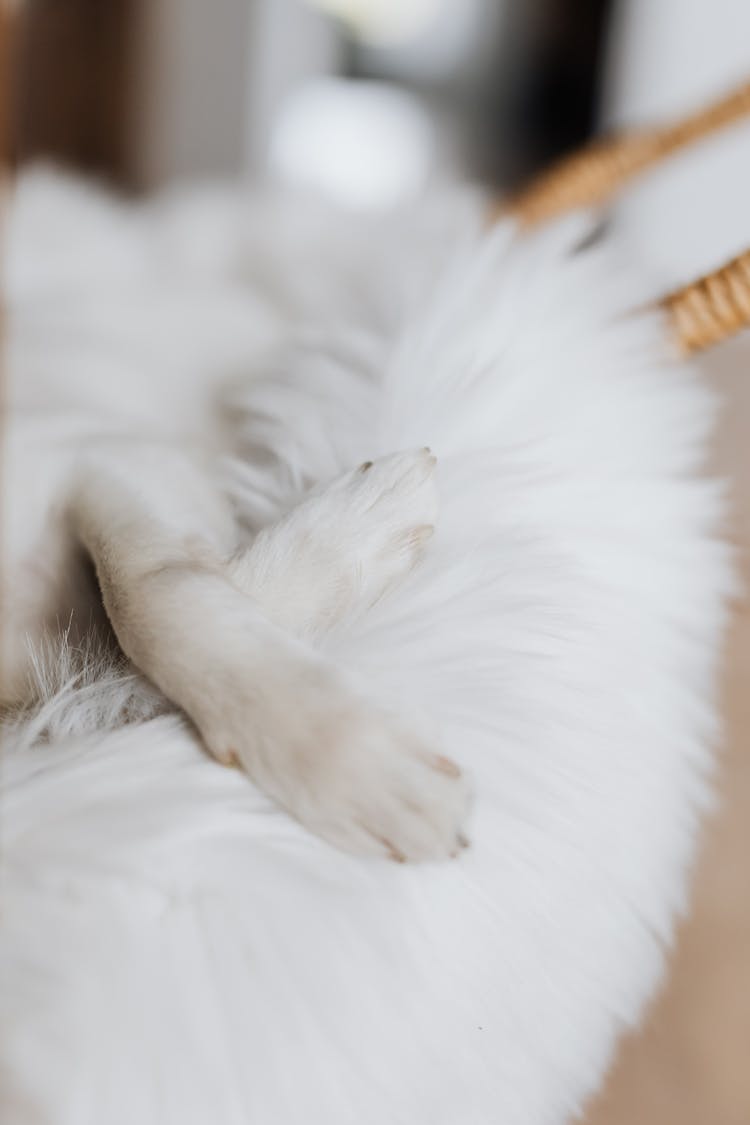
(114, 459)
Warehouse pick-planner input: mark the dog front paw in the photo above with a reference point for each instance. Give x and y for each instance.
(352, 773)
(390, 794)
(345, 545)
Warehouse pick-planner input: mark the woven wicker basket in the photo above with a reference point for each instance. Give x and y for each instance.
(702, 313)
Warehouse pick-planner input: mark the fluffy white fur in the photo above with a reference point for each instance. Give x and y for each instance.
(175, 948)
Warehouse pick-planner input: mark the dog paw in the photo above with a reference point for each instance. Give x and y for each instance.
(390, 510)
(355, 775)
(345, 545)
(391, 794)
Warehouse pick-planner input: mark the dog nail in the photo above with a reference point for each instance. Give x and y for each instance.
(446, 766)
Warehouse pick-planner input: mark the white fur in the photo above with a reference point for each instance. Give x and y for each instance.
(176, 948)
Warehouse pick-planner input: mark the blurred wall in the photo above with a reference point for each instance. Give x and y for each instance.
(146, 91)
(289, 45)
(190, 93)
(666, 54)
(666, 57)
(70, 82)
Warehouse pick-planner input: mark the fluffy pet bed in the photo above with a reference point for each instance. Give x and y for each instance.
(176, 951)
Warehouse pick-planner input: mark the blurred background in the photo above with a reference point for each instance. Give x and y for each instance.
(366, 100)
(371, 103)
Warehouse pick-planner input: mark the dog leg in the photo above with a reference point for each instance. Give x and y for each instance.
(352, 773)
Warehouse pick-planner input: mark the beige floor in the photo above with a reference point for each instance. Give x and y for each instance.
(691, 1063)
